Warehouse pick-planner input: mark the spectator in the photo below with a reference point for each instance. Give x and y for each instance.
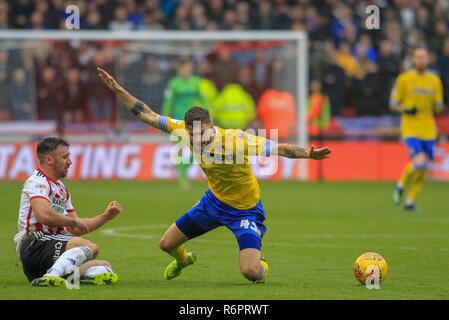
(5, 75)
(75, 97)
(242, 14)
(117, 133)
(261, 68)
(120, 21)
(319, 109)
(334, 85)
(245, 78)
(365, 87)
(277, 110)
(4, 18)
(93, 20)
(215, 10)
(37, 21)
(180, 18)
(20, 11)
(198, 17)
(233, 108)
(282, 19)
(224, 68)
(342, 21)
(438, 38)
(152, 84)
(443, 65)
(265, 16)
(389, 67)
(133, 16)
(50, 97)
(423, 22)
(20, 96)
(100, 100)
(345, 59)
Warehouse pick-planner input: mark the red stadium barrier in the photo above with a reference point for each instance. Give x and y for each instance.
(366, 161)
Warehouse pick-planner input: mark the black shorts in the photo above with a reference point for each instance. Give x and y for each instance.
(39, 251)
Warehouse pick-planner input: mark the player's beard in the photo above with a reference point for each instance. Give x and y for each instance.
(62, 171)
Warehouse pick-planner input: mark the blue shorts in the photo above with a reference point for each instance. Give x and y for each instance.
(416, 146)
(210, 213)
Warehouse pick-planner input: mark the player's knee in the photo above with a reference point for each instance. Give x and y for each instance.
(94, 248)
(165, 244)
(251, 271)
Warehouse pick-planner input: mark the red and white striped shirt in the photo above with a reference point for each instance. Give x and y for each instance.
(38, 185)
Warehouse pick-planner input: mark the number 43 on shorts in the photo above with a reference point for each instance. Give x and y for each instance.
(246, 224)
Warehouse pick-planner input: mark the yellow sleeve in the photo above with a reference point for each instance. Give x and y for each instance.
(168, 125)
(253, 144)
(397, 94)
(438, 95)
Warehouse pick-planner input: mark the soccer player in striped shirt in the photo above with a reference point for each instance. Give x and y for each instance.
(233, 197)
(46, 215)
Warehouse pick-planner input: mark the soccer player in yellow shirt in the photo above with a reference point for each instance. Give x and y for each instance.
(233, 196)
(417, 95)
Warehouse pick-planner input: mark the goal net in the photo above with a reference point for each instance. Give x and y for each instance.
(248, 80)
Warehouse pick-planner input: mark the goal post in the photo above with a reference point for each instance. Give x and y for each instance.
(176, 43)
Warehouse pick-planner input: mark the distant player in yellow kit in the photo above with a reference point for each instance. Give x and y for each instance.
(233, 196)
(417, 95)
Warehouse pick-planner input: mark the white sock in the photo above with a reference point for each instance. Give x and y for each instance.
(399, 185)
(97, 270)
(73, 257)
(409, 202)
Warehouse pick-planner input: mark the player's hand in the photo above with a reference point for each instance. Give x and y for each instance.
(411, 111)
(79, 226)
(319, 154)
(108, 80)
(113, 209)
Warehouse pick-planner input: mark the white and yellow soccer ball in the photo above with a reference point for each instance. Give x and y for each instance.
(368, 264)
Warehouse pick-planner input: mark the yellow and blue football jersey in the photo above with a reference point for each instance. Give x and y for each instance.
(423, 92)
(226, 162)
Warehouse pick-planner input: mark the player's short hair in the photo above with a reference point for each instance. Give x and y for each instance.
(420, 47)
(49, 145)
(196, 114)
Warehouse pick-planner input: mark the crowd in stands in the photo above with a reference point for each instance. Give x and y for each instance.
(353, 67)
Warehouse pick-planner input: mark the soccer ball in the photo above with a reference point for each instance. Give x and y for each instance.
(369, 263)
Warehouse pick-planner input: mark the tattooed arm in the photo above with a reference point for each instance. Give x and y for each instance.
(294, 152)
(137, 107)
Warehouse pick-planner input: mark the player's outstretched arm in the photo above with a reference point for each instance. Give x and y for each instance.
(295, 152)
(112, 210)
(142, 111)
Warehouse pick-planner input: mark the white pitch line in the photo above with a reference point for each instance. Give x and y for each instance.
(119, 232)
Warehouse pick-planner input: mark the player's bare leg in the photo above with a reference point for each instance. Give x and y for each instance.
(81, 242)
(97, 272)
(77, 252)
(172, 242)
(252, 266)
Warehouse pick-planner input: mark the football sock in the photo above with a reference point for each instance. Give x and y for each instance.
(97, 270)
(180, 254)
(263, 269)
(416, 184)
(407, 174)
(72, 257)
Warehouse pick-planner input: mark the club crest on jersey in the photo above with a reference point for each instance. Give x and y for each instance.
(40, 186)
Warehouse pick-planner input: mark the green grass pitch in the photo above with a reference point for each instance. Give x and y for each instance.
(315, 231)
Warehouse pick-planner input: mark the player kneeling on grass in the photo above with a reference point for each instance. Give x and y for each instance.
(233, 197)
(44, 246)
